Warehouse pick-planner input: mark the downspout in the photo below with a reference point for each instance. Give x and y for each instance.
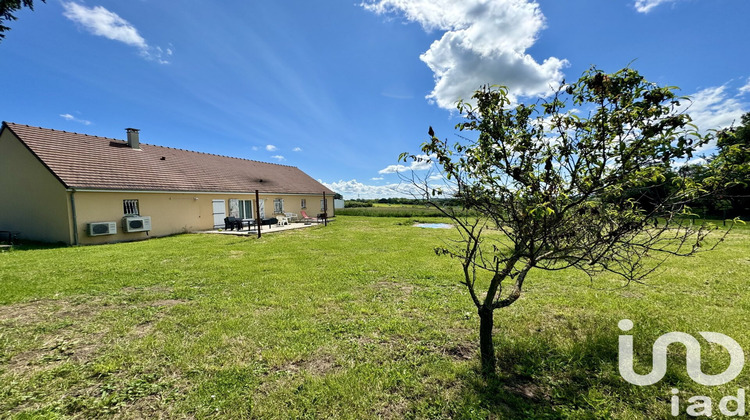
(75, 219)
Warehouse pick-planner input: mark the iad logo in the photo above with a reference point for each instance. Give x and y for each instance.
(701, 404)
(693, 357)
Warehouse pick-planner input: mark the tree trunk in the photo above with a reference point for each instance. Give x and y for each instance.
(486, 347)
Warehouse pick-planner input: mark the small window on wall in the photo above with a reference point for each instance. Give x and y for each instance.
(278, 206)
(130, 207)
(303, 204)
(322, 205)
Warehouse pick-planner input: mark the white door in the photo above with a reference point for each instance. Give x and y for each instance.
(220, 212)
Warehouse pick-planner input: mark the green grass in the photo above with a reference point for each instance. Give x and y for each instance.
(355, 320)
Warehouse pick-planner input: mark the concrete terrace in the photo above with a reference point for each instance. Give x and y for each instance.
(264, 230)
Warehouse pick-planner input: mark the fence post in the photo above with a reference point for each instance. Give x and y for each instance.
(257, 212)
(325, 210)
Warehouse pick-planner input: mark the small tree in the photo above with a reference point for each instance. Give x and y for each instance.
(559, 187)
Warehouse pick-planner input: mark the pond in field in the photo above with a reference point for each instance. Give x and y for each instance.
(434, 225)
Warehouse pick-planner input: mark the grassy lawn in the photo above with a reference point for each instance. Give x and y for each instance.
(355, 320)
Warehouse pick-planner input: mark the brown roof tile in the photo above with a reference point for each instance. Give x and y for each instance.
(91, 162)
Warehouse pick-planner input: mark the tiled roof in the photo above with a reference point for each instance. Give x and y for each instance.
(90, 162)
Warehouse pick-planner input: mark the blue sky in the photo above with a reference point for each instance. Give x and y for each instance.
(340, 88)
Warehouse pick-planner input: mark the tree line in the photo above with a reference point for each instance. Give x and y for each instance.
(723, 175)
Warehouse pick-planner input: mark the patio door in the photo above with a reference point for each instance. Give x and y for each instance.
(220, 212)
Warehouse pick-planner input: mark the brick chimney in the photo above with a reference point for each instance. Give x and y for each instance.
(133, 141)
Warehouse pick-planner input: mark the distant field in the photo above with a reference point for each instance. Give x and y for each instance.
(390, 210)
(398, 205)
(356, 320)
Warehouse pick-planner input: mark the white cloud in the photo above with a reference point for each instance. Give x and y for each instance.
(278, 157)
(694, 161)
(297, 149)
(377, 178)
(645, 6)
(422, 164)
(392, 169)
(745, 89)
(353, 189)
(70, 117)
(102, 22)
(484, 42)
(270, 148)
(715, 108)
(256, 148)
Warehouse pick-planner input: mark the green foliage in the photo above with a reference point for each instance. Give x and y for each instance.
(7, 10)
(726, 175)
(356, 204)
(560, 185)
(731, 168)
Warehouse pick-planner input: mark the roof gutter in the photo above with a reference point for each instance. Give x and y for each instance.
(134, 191)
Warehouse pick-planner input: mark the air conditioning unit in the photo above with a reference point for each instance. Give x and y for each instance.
(102, 228)
(136, 223)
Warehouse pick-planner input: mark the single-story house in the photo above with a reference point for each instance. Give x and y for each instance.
(57, 186)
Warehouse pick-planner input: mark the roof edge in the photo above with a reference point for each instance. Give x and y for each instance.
(136, 191)
(6, 125)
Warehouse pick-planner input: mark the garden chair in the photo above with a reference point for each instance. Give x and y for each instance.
(306, 218)
(230, 223)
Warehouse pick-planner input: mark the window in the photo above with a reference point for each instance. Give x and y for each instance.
(303, 205)
(322, 205)
(241, 208)
(278, 206)
(246, 209)
(130, 207)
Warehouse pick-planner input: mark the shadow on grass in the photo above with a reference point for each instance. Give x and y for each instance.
(538, 378)
(31, 245)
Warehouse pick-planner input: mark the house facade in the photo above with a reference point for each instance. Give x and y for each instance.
(73, 188)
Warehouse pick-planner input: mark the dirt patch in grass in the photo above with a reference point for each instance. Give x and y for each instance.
(47, 340)
(526, 390)
(22, 314)
(67, 346)
(316, 365)
(45, 333)
(394, 410)
(320, 366)
(405, 289)
(149, 407)
(142, 330)
(462, 351)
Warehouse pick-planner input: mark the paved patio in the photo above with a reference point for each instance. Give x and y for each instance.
(264, 230)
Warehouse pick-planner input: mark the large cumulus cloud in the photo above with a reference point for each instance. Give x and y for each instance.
(483, 41)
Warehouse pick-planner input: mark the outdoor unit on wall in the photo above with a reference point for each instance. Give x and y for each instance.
(136, 223)
(102, 228)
